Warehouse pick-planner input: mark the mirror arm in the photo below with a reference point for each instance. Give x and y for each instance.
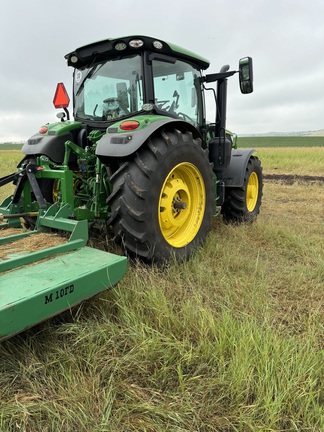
(217, 76)
(67, 114)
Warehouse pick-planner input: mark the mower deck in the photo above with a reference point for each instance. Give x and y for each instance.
(34, 293)
(43, 276)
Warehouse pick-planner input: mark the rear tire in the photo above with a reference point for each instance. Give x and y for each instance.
(162, 200)
(242, 204)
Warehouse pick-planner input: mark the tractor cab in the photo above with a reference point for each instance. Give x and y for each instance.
(116, 79)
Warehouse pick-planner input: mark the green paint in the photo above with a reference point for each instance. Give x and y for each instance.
(30, 295)
(61, 128)
(143, 120)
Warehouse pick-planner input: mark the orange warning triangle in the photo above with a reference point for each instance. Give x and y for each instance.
(61, 98)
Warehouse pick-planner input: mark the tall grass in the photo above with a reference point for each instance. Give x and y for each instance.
(9, 160)
(231, 340)
(299, 160)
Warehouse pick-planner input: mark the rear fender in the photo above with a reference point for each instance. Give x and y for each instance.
(237, 167)
(120, 145)
(52, 143)
(50, 146)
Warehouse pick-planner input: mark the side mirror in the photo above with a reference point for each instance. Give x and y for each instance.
(246, 75)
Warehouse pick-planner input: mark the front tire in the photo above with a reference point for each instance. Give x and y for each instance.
(162, 200)
(242, 204)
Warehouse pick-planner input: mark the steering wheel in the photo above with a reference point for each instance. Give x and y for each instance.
(185, 117)
(161, 103)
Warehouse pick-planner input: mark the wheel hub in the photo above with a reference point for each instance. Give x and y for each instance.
(181, 205)
(252, 192)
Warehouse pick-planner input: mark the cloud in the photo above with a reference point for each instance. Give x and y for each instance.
(285, 39)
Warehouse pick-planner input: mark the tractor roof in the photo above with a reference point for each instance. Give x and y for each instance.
(124, 46)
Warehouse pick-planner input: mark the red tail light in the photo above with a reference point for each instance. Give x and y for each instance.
(129, 125)
(43, 130)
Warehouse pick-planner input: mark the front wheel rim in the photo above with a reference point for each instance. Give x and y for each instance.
(252, 192)
(182, 204)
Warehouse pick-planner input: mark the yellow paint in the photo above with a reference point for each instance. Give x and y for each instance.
(182, 204)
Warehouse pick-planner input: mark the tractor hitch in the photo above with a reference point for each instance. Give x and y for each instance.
(17, 215)
(9, 178)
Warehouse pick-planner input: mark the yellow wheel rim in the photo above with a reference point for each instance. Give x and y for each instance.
(252, 192)
(57, 186)
(182, 205)
(56, 190)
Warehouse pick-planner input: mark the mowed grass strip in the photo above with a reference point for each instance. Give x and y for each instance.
(231, 340)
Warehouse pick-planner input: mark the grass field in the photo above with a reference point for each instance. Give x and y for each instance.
(231, 340)
(10, 146)
(258, 142)
(286, 141)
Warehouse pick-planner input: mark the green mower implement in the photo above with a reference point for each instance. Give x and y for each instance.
(138, 158)
(38, 279)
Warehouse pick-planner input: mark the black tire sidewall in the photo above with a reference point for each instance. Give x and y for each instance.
(254, 167)
(137, 189)
(234, 209)
(183, 153)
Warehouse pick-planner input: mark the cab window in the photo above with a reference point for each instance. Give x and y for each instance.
(109, 90)
(176, 89)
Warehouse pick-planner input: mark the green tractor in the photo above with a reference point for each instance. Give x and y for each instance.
(139, 155)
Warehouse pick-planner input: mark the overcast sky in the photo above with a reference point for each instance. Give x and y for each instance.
(284, 37)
